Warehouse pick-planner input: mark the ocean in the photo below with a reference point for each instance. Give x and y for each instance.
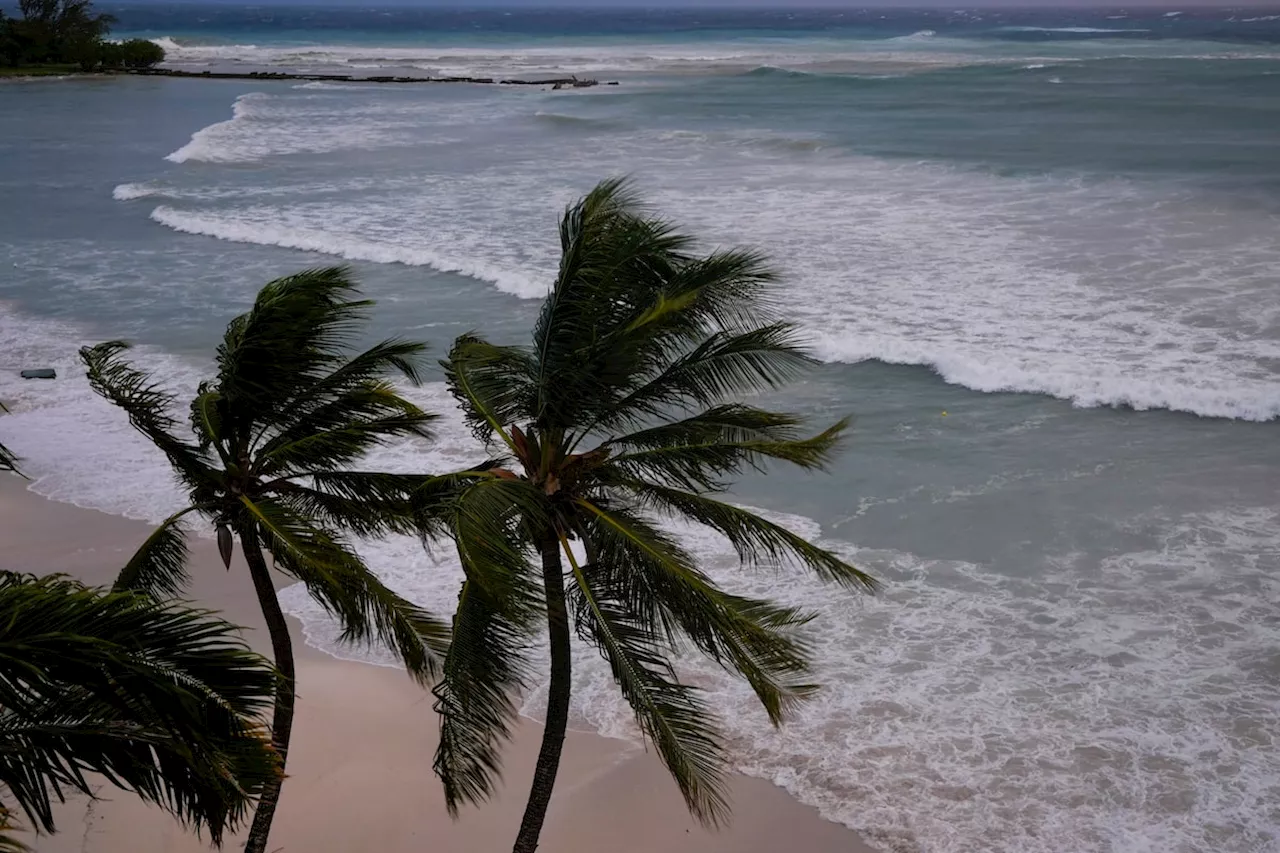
(1038, 254)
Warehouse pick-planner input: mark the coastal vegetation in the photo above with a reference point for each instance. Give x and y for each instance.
(636, 402)
(59, 36)
(157, 698)
(267, 459)
(626, 411)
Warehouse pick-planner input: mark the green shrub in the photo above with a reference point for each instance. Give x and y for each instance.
(138, 53)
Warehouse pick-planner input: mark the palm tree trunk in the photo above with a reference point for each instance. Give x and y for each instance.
(544, 774)
(282, 719)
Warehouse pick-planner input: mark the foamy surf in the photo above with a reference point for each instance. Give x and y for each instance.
(129, 192)
(260, 227)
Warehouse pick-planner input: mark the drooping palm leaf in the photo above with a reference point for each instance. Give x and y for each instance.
(757, 540)
(160, 699)
(669, 713)
(149, 407)
(159, 567)
(483, 671)
(638, 566)
(340, 581)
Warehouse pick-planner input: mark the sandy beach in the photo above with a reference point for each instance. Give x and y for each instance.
(360, 766)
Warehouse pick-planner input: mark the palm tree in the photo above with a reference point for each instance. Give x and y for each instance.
(159, 699)
(275, 432)
(628, 407)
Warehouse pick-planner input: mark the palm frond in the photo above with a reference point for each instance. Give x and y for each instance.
(148, 406)
(341, 583)
(731, 289)
(207, 409)
(489, 520)
(297, 331)
(757, 540)
(615, 262)
(319, 405)
(159, 567)
(366, 503)
(701, 452)
(491, 384)
(158, 698)
(483, 672)
(343, 432)
(9, 461)
(640, 568)
(723, 365)
(669, 713)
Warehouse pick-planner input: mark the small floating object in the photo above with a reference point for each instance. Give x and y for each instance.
(944, 414)
(39, 373)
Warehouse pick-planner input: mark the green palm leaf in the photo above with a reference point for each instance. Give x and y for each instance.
(638, 566)
(701, 451)
(669, 713)
(489, 382)
(148, 406)
(483, 670)
(723, 365)
(159, 567)
(757, 540)
(340, 581)
(160, 699)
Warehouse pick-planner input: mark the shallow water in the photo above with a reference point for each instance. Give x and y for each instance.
(1040, 266)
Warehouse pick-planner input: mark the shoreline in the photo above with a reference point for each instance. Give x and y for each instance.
(360, 770)
(571, 82)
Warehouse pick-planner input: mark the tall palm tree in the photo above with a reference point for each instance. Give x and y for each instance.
(627, 408)
(273, 437)
(159, 699)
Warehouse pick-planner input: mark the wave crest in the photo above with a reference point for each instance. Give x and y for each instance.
(260, 230)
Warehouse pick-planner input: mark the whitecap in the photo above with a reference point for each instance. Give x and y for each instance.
(264, 227)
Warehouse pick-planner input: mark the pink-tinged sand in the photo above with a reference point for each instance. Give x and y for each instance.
(360, 767)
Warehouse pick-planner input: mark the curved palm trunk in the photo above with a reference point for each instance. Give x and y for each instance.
(282, 719)
(544, 774)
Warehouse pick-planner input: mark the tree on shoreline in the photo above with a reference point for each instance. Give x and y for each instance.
(159, 699)
(276, 432)
(625, 409)
(69, 32)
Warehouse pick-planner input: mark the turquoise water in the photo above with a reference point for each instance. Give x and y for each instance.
(1063, 238)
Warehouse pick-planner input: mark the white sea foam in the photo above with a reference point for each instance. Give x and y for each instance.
(266, 125)
(919, 35)
(264, 227)
(1076, 30)
(923, 50)
(128, 192)
(984, 279)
